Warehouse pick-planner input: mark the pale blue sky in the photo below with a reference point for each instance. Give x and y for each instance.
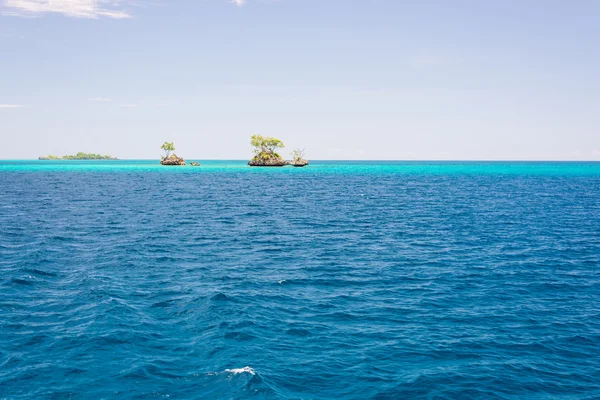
(345, 79)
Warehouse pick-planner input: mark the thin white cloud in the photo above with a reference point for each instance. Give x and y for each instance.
(70, 8)
(104, 99)
(238, 2)
(10, 106)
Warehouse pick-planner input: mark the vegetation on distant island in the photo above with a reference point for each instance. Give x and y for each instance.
(168, 148)
(297, 154)
(80, 156)
(265, 151)
(265, 144)
(298, 159)
(170, 158)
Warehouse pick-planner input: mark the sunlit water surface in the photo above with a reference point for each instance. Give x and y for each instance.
(341, 280)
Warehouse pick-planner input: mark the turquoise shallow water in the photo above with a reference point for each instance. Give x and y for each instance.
(331, 167)
(345, 280)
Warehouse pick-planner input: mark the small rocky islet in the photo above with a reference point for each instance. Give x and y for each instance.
(172, 160)
(267, 160)
(298, 159)
(299, 163)
(265, 154)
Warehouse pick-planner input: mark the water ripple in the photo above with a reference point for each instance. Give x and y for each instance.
(345, 281)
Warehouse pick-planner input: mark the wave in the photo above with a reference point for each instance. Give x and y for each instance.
(245, 370)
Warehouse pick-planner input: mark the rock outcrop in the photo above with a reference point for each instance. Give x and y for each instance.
(299, 162)
(267, 160)
(173, 160)
(195, 164)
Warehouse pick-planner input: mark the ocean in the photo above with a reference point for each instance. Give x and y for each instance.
(340, 280)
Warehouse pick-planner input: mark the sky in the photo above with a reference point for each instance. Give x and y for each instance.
(343, 79)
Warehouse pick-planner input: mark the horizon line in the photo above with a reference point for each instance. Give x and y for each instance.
(340, 160)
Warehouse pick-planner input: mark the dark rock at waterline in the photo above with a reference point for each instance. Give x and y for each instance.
(173, 160)
(195, 164)
(301, 162)
(267, 160)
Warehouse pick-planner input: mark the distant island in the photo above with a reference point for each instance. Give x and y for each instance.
(265, 153)
(170, 158)
(80, 156)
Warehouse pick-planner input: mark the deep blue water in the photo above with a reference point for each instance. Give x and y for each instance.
(128, 280)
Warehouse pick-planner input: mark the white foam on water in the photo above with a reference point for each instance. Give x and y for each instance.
(241, 370)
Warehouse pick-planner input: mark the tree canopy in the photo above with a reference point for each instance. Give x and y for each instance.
(168, 148)
(265, 144)
(298, 154)
(80, 156)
